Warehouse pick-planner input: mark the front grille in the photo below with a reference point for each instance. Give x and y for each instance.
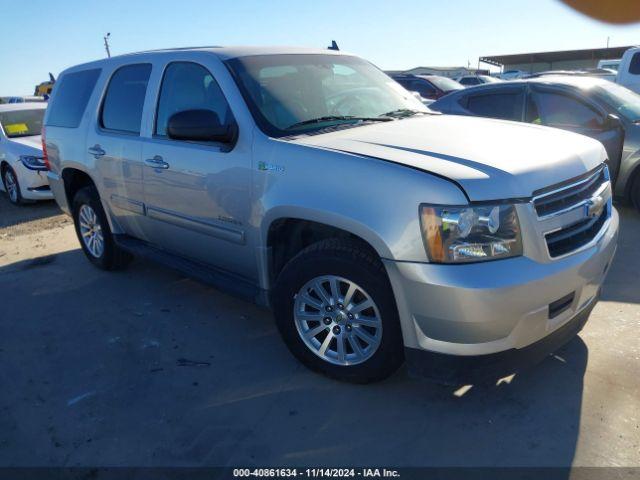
(575, 236)
(559, 199)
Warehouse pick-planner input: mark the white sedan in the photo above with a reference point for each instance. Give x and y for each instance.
(22, 166)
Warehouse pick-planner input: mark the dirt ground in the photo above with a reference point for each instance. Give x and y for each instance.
(147, 368)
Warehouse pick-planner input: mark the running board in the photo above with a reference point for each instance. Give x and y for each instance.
(220, 279)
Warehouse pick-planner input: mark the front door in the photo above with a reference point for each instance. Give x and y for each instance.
(197, 195)
(555, 108)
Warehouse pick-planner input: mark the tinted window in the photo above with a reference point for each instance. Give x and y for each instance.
(424, 88)
(562, 111)
(122, 107)
(634, 66)
(189, 86)
(469, 81)
(72, 93)
(507, 106)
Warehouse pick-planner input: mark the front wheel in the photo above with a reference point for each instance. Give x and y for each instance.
(94, 232)
(336, 312)
(11, 185)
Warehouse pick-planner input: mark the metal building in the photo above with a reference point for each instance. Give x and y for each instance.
(561, 60)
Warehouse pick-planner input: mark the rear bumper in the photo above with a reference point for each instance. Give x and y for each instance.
(57, 188)
(458, 370)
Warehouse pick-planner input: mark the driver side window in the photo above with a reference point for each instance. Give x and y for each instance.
(189, 86)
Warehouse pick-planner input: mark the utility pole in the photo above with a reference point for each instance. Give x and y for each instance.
(607, 42)
(106, 44)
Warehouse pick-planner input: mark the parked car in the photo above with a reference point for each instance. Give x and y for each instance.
(430, 87)
(21, 163)
(587, 72)
(513, 74)
(594, 107)
(470, 80)
(629, 70)
(23, 99)
(304, 180)
(610, 64)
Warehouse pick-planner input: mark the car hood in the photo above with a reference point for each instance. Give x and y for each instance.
(32, 141)
(489, 159)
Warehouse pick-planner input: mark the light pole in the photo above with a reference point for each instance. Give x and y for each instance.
(106, 44)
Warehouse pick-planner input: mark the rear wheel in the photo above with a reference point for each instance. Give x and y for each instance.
(336, 312)
(11, 185)
(94, 232)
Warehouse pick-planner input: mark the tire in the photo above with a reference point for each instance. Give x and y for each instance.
(11, 185)
(299, 309)
(634, 193)
(94, 233)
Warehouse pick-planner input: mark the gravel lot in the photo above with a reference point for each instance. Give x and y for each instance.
(148, 368)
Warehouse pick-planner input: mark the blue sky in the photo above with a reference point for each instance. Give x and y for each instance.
(39, 36)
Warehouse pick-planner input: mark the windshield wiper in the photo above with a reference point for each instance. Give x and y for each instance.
(329, 118)
(402, 112)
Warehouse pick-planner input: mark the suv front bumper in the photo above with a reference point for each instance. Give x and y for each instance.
(480, 309)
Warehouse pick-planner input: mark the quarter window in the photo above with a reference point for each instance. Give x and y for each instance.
(189, 86)
(72, 94)
(124, 101)
(558, 110)
(506, 106)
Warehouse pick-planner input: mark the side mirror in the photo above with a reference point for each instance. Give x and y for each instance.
(198, 126)
(611, 122)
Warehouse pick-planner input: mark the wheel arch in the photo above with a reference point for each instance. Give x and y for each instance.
(286, 234)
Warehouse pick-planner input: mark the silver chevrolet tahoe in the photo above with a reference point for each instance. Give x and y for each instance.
(310, 182)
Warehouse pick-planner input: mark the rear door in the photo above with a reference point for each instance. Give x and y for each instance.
(567, 110)
(114, 146)
(197, 194)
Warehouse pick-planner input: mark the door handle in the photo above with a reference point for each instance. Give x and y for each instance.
(97, 151)
(157, 162)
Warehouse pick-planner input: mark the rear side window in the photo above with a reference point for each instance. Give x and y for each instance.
(123, 102)
(72, 94)
(506, 106)
(634, 66)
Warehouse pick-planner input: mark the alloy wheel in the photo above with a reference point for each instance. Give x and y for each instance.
(337, 320)
(91, 231)
(11, 184)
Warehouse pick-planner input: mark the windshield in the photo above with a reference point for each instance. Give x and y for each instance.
(445, 84)
(626, 102)
(22, 123)
(489, 79)
(291, 94)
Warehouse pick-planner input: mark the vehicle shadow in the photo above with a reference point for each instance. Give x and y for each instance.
(147, 368)
(621, 284)
(11, 215)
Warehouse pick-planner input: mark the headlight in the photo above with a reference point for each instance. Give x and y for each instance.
(32, 162)
(470, 233)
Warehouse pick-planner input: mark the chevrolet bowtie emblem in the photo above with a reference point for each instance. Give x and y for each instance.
(594, 207)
